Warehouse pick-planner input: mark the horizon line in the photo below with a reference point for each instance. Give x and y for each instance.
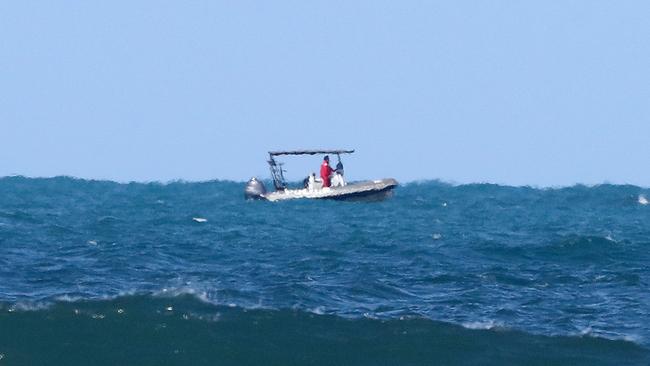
(405, 182)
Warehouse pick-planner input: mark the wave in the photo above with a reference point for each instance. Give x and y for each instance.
(182, 329)
(494, 260)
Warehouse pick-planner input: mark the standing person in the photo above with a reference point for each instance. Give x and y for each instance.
(326, 171)
(339, 167)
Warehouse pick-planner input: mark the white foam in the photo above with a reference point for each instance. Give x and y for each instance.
(68, 298)
(436, 236)
(173, 292)
(587, 331)
(319, 310)
(119, 294)
(215, 317)
(199, 219)
(634, 338)
(487, 324)
(27, 306)
(642, 199)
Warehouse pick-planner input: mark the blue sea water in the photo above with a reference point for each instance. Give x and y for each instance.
(98, 272)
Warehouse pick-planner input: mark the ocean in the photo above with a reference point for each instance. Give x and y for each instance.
(185, 273)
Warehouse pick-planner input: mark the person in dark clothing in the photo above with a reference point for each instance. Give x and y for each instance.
(339, 167)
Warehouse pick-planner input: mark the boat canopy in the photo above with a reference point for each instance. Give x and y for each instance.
(310, 152)
(277, 173)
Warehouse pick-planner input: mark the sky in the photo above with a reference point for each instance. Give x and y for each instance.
(542, 93)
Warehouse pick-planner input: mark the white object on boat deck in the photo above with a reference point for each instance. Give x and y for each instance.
(338, 181)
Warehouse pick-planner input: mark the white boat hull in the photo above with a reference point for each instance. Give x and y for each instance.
(376, 189)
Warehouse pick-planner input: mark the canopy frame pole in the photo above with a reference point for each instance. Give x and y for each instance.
(277, 173)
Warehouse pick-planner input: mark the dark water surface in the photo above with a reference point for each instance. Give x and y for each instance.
(106, 273)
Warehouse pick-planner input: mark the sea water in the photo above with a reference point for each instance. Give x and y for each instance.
(104, 273)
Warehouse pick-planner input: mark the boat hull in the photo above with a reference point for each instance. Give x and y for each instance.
(360, 191)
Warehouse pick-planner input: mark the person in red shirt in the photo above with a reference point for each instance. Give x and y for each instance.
(325, 171)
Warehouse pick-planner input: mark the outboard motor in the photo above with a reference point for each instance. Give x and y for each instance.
(255, 189)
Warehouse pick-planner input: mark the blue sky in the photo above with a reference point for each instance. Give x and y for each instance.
(511, 92)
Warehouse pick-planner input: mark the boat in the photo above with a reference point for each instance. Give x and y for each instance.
(312, 188)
